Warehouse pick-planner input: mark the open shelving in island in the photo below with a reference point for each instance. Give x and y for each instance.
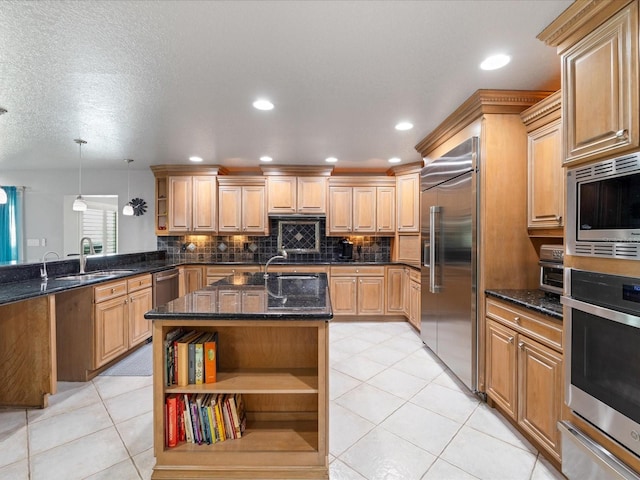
(277, 358)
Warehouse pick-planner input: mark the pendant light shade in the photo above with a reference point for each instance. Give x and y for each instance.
(128, 209)
(79, 205)
(3, 196)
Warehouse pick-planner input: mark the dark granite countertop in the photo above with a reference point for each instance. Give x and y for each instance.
(535, 300)
(35, 287)
(249, 296)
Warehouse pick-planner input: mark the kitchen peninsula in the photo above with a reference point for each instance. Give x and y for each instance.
(273, 349)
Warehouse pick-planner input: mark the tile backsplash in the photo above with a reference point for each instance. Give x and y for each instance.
(242, 248)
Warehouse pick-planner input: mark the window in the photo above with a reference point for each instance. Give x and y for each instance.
(99, 223)
(11, 226)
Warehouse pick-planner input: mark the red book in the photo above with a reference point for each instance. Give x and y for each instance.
(172, 421)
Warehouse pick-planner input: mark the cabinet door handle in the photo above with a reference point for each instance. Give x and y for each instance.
(621, 133)
(521, 345)
(510, 340)
(125, 301)
(113, 290)
(517, 320)
(559, 218)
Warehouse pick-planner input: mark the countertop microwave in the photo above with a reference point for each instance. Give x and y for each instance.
(603, 208)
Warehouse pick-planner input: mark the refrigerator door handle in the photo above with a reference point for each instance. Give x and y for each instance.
(433, 211)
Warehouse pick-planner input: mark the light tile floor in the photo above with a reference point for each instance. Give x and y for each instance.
(396, 413)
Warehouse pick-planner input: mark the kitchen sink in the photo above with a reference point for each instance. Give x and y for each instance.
(94, 275)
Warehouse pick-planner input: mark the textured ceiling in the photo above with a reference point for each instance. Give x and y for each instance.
(159, 81)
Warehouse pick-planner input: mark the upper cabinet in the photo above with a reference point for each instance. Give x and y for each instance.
(186, 199)
(599, 47)
(242, 205)
(545, 175)
(361, 205)
(408, 204)
(307, 195)
(192, 204)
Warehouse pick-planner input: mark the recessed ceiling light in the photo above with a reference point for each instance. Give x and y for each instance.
(266, 159)
(331, 159)
(195, 159)
(263, 104)
(394, 160)
(495, 61)
(404, 126)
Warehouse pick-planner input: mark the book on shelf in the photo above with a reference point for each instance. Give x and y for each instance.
(220, 417)
(211, 358)
(187, 420)
(228, 421)
(169, 355)
(235, 420)
(172, 421)
(204, 418)
(182, 358)
(242, 412)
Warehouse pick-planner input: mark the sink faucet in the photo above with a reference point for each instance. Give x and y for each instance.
(43, 270)
(83, 258)
(283, 255)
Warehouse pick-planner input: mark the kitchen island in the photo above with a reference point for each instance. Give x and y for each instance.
(273, 349)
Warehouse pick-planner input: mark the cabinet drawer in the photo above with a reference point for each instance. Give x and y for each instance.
(138, 283)
(298, 268)
(226, 271)
(414, 275)
(351, 271)
(109, 290)
(546, 330)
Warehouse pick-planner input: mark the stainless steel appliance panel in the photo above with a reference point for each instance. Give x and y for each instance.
(165, 286)
(602, 328)
(449, 272)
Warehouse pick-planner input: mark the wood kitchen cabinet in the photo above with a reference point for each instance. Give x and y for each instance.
(545, 179)
(305, 195)
(357, 290)
(192, 204)
(524, 370)
(190, 279)
(414, 300)
(397, 279)
(242, 205)
(599, 53)
(99, 325)
(119, 317)
(361, 206)
(408, 202)
(186, 199)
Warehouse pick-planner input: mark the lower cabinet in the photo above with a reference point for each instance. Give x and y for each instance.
(96, 325)
(190, 279)
(414, 303)
(357, 290)
(524, 376)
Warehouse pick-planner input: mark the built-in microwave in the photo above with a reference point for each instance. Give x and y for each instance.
(603, 208)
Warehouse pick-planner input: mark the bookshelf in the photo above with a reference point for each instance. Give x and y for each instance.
(281, 369)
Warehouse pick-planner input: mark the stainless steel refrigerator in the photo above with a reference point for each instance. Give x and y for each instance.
(448, 228)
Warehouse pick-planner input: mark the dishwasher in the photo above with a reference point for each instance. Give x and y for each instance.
(165, 286)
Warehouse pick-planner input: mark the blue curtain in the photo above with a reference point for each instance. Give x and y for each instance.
(9, 217)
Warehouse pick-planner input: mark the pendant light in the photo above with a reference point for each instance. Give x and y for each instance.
(128, 209)
(79, 205)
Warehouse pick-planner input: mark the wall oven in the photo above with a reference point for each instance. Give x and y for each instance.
(603, 202)
(602, 332)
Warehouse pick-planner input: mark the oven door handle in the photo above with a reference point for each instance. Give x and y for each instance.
(616, 316)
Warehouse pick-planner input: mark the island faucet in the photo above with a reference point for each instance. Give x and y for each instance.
(43, 270)
(283, 255)
(83, 257)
